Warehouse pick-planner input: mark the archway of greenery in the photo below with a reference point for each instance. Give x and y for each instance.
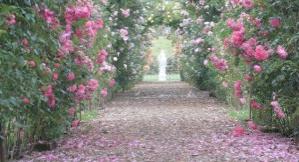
(60, 59)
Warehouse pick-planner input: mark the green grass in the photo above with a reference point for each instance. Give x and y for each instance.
(154, 78)
(240, 115)
(89, 115)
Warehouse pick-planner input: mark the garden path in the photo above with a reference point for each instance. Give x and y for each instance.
(164, 122)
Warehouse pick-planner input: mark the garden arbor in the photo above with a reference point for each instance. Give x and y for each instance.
(58, 58)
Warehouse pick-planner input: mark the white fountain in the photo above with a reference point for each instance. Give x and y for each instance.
(162, 65)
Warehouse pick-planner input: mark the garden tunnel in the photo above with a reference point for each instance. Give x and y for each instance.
(61, 60)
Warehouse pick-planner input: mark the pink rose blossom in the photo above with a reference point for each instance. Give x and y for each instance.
(104, 92)
(49, 17)
(220, 64)
(31, 64)
(277, 109)
(49, 94)
(11, 20)
(102, 56)
(92, 85)
(248, 48)
(70, 76)
(237, 38)
(281, 51)
(55, 76)
(257, 68)
(261, 54)
(81, 90)
(125, 12)
(72, 88)
(248, 77)
(238, 89)
(112, 83)
(124, 34)
(56, 65)
(257, 22)
(26, 100)
(255, 105)
(92, 27)
(197, 41)
(248, 4)
(84, 60)
(275, 22)
(25, 43)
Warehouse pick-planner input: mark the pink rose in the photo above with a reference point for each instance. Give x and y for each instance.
(112, 83)
(275, 22)
(257, 68)
(70, 76)
(261, 53)
(104, 92)
(11, 20)
(281, 51)
(55, 76)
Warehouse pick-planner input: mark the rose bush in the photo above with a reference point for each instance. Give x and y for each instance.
(53, 62)
(254, 51)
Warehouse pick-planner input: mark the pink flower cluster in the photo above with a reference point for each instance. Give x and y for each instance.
(281, 51)
(55, 76)
(92, 27)
(26, 101)
(50, 18)
(105, 67)
(102, 57)
(251, 50)
(112, 83)
(84, 92)
(82, 10)
(238, 90)
(248, 48)
(257, 68)
(125, 12)
(255, 105)
(124, 34)
(238, 35)
(104, 92)
(277, 109)
(197, 41)
(66, 44)
(261, 54)
(82, 60)
(219, 63)
(70, 76)
(49, 94)
(248, 4)
(10, 20)
(275, 22)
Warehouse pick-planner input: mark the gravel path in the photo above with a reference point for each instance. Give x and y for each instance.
(165, 122)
